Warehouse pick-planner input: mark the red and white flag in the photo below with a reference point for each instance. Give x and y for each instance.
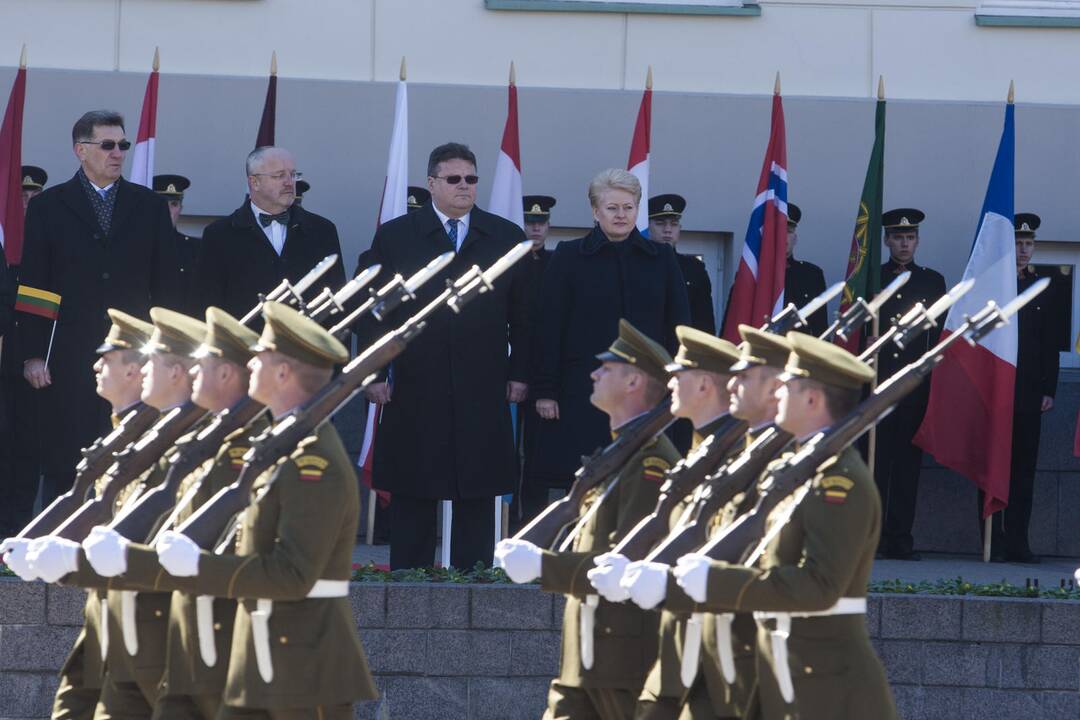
(142, 159)
(638, 165)
(11, 208)
(506, 184)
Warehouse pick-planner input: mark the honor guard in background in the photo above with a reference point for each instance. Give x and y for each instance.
(33, 182)
(1036, 385)
(897, 461)
(418, 198)
(302, 186)
(803, 281)
(665, 225)
(172, 187)
(630, 382)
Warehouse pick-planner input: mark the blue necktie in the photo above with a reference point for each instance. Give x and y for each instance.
(451, 232)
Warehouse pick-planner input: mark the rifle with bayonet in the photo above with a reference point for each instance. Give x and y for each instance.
(289, 293)
(210, 521)
(860, 311)
(793, 318)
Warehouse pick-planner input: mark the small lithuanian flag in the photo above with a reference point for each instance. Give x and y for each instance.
(37, 302)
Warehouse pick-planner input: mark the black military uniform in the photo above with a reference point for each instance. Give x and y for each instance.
(897, 460)
(1036, 378)
(172, 187)
(803, 281)
(698, 285)
(418, 198)
(302, 186)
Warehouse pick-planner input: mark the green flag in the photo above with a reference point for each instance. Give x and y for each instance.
(863, 277)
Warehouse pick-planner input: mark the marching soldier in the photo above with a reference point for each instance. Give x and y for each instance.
(803, 281)
(172, 188)
(418, 198)
(665, 225)
(622, 642)
(897, 460)
(807, 588)
(33, 182)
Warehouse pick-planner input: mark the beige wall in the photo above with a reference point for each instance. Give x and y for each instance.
(931, 49)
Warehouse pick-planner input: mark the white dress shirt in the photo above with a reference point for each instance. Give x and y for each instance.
(275, 231)
(462, 227)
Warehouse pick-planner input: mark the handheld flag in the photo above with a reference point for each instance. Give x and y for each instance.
(42, 303)
(11, 207)
(142, 159)
(638, 165)
(506, 185)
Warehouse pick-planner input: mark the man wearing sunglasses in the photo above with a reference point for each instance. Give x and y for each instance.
(445, 431)
(97, 241)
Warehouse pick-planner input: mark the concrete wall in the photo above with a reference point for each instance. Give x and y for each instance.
(449, 652)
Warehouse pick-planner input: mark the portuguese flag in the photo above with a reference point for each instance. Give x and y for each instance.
(37, 302)
(863, 276)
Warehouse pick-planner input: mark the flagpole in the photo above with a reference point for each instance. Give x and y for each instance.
(875, 329)
(52, 334)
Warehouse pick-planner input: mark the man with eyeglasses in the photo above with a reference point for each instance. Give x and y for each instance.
(97, 241)
(266, 240)
(445, 431)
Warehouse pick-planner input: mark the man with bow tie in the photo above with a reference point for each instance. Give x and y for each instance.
(265, 240)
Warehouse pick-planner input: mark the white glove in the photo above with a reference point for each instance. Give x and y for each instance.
(106, 551)
(14, 552)
(646, 583)
(519, 558)
(606, 575)
(179, 554)
(692, 575)
(51, 557)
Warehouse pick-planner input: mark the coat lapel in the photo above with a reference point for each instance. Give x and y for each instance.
(75, 198)
(478, 228)
(126, 200)
(430, 228)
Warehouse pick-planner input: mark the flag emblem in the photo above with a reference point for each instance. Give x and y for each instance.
(37, 302)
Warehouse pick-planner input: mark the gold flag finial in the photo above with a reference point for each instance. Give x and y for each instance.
(776, 86)
(401, 73)
(157, 60)
(648, 79)
(881, 87)
(1012, 92)
(513, 74)
(22, 58)
(273, 63)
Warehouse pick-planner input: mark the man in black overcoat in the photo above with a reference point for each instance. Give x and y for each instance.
(98, 241)
(803, 281)
(265, 240)
(445, 432)
(665, 226)
(898, 461)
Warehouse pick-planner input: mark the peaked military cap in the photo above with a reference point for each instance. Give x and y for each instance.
(669, 205)
(125, 333)
(33, 177)
(172, 186)
(825, 362)
(1027, 223)
(418, 198)
(700, 350)
(794, 215)
(761, 348)
(302, 186)
(226, 338)
(537, 207)
(174, 333)
(288, 332)
(902, 219)
(635, 348)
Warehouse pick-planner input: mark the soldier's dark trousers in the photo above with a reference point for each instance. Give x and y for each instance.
(1009, 528)
(897, 464)
(20, 451)
(574, 703)
(412, 532)
(321, 712)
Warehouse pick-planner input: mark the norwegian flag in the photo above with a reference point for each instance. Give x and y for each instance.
(638, 165)
(142, 159)
(758, 292)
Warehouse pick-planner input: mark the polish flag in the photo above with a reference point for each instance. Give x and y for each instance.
(506, 185)
(638, 165)
(11, 209)
(142, 159)
(968, 423)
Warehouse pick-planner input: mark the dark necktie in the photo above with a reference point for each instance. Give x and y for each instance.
(451, 232)
(281, 217)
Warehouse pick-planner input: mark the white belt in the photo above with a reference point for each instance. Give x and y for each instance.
(260, 622)
(779, 637)
(587, 628)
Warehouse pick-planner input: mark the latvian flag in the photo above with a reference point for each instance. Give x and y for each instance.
(638, 164)
(37, 302)
(142, 161)
(506, 185)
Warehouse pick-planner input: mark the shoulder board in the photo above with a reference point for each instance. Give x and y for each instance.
(654, 467)
(835, 489)
(311, 467)
(236, 455)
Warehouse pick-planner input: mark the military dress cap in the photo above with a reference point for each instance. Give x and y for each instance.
(171, 185)
(902, 219)
(302, 186)
(537, 207)
(1027, 223)
(635, 348)
(418, 197)
(226, 338)
(174, 333)
(794, 215)
(33, 177)
(761, 348)
(699, 350)
(669, 205)
(288, 332)
(125, 333)
(825, 362)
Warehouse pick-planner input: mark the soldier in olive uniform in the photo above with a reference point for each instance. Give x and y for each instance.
(295, 650)
(897, 460)
(803, 281)
(807, 585)
(33, 182)
(665, 226)
(620, 639)
(172, 188)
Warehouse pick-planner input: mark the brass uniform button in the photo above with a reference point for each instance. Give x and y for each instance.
(808, 669)
(157, 613)
(284, 640)
(217, 626)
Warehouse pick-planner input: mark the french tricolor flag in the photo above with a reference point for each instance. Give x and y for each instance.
(638, 165)
(506, 185)
(758, 291)
(968, 423)
(142, 158)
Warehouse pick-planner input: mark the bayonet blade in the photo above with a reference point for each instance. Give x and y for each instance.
(888, 291)
(1014, 305)
(427, 272)
(949, 299)
(315, 273)
(820, 301)
(357, 284)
